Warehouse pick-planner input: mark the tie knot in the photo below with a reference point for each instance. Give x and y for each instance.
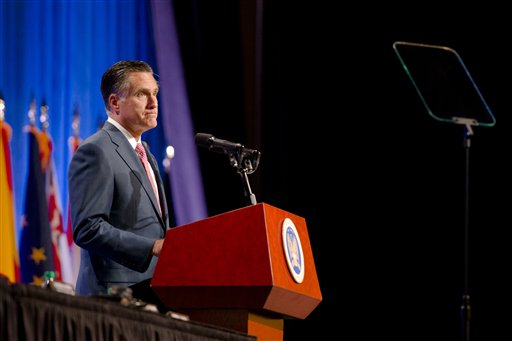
(139, 149)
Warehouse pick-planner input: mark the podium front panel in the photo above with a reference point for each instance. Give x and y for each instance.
(237, 260)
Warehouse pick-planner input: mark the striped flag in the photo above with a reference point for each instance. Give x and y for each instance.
(9, 261)
(60, 247)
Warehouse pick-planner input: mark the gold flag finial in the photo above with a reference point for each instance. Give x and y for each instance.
(2, 109)
(43, 117)
(75, 125)
(32, 112)
(169, 155)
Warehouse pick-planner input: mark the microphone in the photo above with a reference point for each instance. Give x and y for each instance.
(217, 145)
(245, 160)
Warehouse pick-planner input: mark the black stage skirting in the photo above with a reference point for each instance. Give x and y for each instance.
(32, 313)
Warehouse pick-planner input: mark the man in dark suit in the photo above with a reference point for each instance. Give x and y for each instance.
(118, 219)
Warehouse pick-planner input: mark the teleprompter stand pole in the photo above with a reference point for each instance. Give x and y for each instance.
(465, 308)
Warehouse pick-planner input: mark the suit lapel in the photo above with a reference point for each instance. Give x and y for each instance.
(161, 192)
(126, 152)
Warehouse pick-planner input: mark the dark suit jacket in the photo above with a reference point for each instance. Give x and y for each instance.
(114, 212)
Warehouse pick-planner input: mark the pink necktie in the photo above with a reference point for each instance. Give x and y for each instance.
(139, 149)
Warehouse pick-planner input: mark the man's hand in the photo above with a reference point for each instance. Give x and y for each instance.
(157, 247)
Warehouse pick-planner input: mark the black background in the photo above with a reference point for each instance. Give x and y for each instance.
(347, 144)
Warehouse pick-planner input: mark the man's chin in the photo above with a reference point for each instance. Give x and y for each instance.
(152, 122)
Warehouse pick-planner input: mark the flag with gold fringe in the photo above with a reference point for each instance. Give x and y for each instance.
(36, 252)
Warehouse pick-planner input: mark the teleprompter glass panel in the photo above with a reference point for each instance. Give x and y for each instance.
(444, 84)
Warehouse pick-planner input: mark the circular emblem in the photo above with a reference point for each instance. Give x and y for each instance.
(293, 250)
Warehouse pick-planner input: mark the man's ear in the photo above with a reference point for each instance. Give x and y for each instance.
(113, 101)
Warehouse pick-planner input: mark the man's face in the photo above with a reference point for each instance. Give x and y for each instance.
(138, 108)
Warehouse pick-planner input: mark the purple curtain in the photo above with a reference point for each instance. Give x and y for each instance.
(185, 177)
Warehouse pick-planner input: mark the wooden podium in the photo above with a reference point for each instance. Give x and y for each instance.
(247, 270)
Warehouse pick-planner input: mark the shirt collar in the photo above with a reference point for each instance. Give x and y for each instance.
(126, 133)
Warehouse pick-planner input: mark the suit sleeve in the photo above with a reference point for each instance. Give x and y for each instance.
(91, 191)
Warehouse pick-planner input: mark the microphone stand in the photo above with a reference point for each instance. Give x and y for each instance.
(245, 161)
(249, 195)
